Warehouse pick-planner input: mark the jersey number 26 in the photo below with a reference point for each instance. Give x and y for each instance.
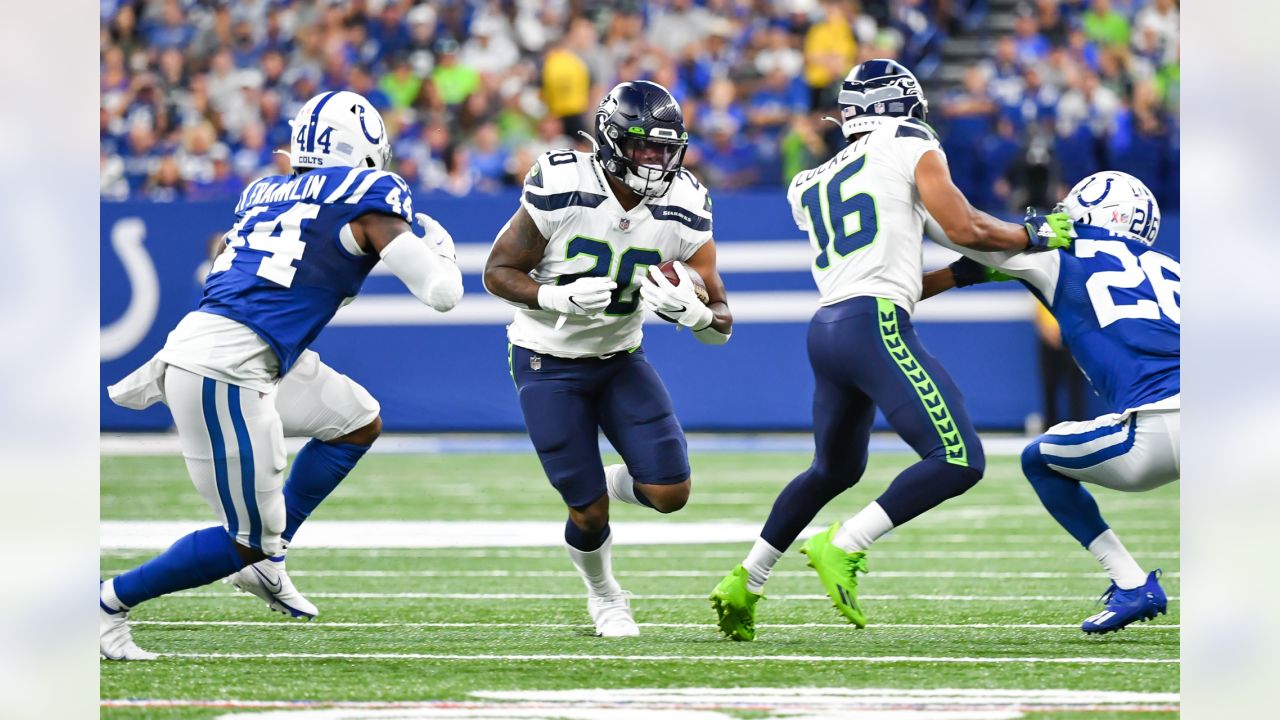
(1151, 267)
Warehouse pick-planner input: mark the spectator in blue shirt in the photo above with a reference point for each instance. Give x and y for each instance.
(173, 30)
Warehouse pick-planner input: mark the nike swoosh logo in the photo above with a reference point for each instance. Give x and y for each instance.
(273, 589)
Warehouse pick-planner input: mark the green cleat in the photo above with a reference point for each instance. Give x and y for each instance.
(736, 606)
(838, 571)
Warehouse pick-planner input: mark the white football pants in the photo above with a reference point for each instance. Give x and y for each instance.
(1134, 452)
(233, 439)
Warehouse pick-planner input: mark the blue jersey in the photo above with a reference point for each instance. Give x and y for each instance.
(1118, 303)
(291, 261)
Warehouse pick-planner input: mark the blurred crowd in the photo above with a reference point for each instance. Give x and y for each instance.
(197, 94)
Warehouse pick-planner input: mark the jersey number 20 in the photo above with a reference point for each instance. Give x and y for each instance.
(835, 211)
(1151, 267)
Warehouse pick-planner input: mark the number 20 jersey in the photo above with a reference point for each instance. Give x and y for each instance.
(291, 260)
(864, 215)
(589, 234)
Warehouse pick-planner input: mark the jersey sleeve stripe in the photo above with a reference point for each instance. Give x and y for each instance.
(315, 120)
(685, 217)
(366, 182)
(560, 201)
(346, 184)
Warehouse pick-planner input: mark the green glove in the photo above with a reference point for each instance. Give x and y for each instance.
(1048, 232)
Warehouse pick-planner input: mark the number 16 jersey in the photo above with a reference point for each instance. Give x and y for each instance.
(589, 234)
(864, 215)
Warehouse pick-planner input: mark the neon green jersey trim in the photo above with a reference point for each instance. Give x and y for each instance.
(934, 405)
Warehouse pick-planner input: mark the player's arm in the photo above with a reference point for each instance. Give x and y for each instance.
(704, 262)
(967, 226)
(961, 273)
(426, 265)
(516, 251)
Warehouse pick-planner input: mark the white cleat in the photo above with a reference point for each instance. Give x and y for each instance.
(612, 615)
(115, 639)
(267, 579)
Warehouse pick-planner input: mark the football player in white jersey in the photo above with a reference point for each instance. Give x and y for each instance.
(864, 211)
(579, 258)
(237, 373)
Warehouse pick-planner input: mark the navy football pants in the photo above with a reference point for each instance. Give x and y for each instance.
(567, 401)
(865, 354)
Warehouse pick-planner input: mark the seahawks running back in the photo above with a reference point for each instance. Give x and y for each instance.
(864, 211)
(1118, 302)
(237, 373)
(579, 259)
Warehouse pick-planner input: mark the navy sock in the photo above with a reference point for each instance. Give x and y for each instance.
(194, 560)
(924, 486)
(580, 539)
(1065, 499)
(316, 472)
(798, 504)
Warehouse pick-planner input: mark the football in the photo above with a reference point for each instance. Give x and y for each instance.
(668, 269)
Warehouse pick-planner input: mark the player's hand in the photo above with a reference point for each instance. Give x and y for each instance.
(1048, 232)
(967, 271)
(437, 238)
(584, 296)
(677, 302)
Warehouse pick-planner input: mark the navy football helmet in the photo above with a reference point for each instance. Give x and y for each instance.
(875, 91)
(640, 136)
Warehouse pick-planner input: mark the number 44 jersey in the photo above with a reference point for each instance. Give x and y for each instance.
(291, 260)
(864, 215)
(589, 234)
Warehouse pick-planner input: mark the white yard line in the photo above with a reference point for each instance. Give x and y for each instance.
(430, 534)
(699, 596)
(285, 625)
(681, 658)
(897, 574)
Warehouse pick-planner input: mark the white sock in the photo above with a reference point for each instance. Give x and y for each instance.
(759, 563)
(621, 486)
(860, 531)
(1116, 560)
(596, 568)
(108, 596)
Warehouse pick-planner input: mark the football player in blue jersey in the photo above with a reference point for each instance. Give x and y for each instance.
(1117, 301)
(238, 377)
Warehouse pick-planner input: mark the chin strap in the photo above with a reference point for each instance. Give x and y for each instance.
(595, 145)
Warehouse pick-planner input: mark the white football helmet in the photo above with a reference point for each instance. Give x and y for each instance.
(339, 129)
(1117, 202)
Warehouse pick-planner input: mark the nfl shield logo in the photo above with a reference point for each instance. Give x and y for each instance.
(879, 108)
(535, 362)
(624, 224)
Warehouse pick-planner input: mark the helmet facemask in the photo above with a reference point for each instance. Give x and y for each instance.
(647, 164)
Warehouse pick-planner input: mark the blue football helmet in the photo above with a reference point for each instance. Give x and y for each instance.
(876, 91)
(640, 136)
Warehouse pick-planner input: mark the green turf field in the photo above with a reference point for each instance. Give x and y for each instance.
(983, 594)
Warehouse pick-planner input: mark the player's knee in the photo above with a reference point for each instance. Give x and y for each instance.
(1032, 460)
(668, 498)
(593, 518)
(364, 435)
(840, 479)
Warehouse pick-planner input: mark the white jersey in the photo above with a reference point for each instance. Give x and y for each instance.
(864, 215)
(589, 234)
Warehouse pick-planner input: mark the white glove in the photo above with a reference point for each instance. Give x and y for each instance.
(584, 296)
(437, 238)
(678, 302)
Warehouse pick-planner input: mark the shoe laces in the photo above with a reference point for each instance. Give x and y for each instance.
(1108, 594)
